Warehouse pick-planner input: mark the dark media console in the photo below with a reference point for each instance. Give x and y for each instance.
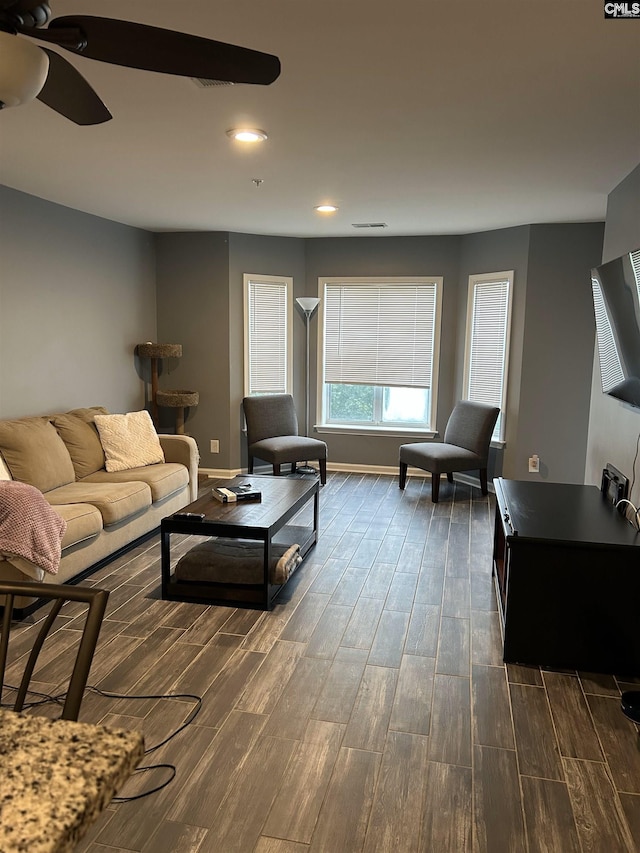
(567, 572)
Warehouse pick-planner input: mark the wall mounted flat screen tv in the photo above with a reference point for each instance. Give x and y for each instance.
(616, 300)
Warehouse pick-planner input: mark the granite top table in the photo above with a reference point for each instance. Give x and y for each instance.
(56, 776)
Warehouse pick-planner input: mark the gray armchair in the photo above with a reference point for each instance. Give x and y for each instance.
(466, 447)
(272, 434)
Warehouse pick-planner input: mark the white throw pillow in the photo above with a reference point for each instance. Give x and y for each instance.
(129, 441)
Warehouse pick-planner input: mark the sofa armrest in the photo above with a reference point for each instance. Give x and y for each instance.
(183, 449)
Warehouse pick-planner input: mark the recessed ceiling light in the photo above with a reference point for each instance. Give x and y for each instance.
(325, 208)
(247, 134)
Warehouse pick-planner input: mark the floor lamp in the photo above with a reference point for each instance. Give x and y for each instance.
(308, 305)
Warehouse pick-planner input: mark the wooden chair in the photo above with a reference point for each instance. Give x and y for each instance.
(96, 599)
(466, 447)
(272, 434)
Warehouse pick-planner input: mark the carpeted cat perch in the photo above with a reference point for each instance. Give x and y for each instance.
(178, 400)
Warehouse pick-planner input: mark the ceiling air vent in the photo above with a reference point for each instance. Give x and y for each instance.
(202, 83)
(368, 224)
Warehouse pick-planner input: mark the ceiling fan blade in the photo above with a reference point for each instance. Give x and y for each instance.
(20, 6)
(68, 93)
(154, 49)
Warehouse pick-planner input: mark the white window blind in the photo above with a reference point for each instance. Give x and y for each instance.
(267, 335)
(488, 323)
(634, 257)
(381, 334)
(610, 367)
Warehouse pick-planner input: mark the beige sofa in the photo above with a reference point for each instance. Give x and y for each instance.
(62, 456)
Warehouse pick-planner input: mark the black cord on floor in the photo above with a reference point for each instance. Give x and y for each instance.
(46, 698)
(194, 713)
(170, 767)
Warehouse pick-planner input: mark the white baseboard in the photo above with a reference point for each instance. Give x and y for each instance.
(221, 473)
(473, 481)
(346, 468)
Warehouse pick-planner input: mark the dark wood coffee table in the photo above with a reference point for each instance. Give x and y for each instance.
(266, 521)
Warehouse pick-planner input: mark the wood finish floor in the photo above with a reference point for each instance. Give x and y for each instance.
(368, 711)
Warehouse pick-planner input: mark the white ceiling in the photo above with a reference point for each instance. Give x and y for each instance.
(434, 117)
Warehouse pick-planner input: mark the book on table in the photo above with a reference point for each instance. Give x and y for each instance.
(232, 494)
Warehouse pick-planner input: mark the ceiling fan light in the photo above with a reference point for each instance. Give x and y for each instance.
(325, 208)
(247, 134)
(23, 70)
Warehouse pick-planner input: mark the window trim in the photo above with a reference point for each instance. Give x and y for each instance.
(487, 278)
(364, 430)
(287, 281)
(398, 429)
(609, 364)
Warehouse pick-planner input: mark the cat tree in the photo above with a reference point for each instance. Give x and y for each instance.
(178, 400)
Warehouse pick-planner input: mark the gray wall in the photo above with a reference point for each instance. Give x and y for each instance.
(379, 256)
(499, 251)
(551, 341)
(193, 310)
(255, 254)
(551, 347)
(200, 305)
(614, 426)
(557, 353)
(77, 293)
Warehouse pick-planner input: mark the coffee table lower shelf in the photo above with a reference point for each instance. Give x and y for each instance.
(253, 596)
(286, 515)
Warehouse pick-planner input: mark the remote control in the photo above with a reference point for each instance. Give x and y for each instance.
(189, 516)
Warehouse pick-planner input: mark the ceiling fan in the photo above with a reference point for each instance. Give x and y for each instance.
(28, 71)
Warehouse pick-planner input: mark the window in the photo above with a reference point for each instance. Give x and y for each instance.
(381, 341)
(487, 344)
(611, 370)
(267, 323)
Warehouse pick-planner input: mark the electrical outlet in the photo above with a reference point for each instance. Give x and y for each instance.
(534, 464)
(215, 445)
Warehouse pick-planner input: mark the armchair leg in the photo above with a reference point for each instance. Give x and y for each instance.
(323, 470)
(250, 465)
(450, 476)
(402, 479)
(276, 470)
(483, 481)
(435, 487)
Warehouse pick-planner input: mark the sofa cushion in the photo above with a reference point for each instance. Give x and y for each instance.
(83, 522)
(129, 441)
(35, 453)
(163, 479)
(88, 413)
(80, 435)
(116, 501)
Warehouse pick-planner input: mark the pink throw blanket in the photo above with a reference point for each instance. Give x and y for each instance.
(29, 527)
